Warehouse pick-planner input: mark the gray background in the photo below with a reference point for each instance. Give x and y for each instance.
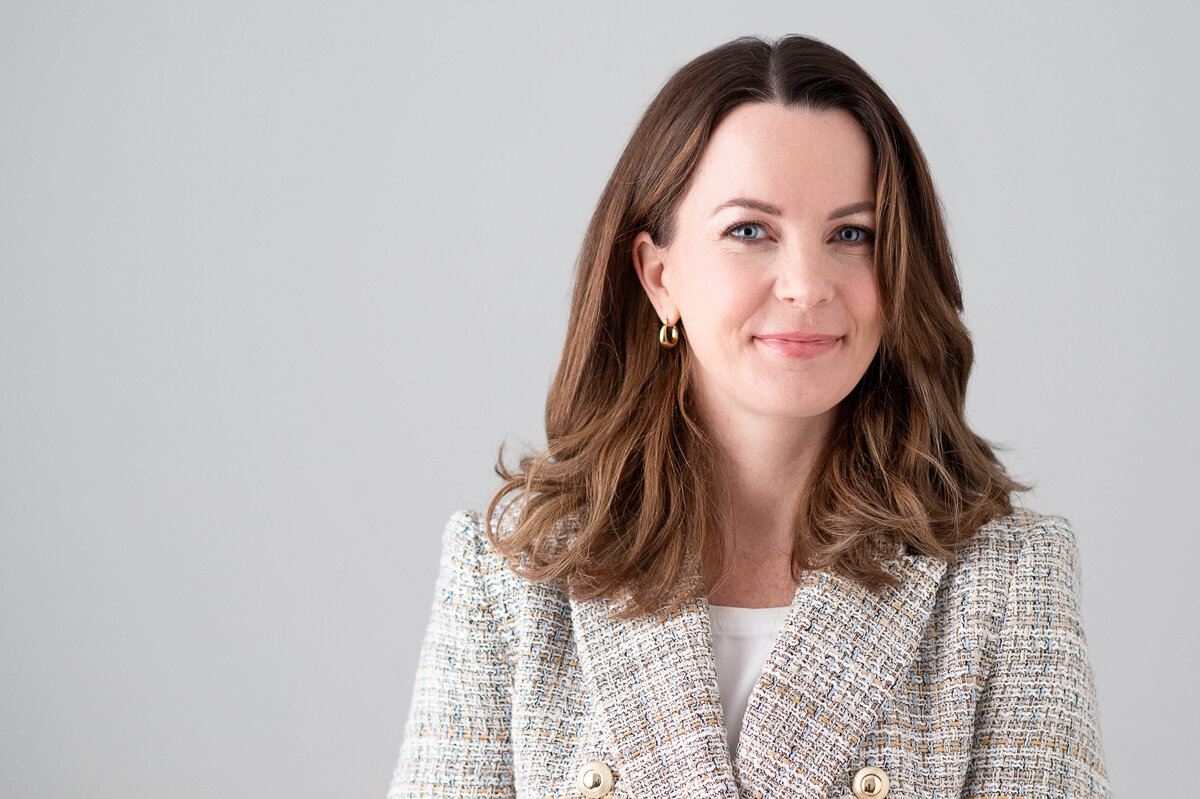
(278, 278)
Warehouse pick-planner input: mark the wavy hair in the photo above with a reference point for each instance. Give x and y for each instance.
(626, 501)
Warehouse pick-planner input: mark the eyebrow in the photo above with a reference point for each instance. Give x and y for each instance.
(747, 202)
(851, 210)
(767, 208)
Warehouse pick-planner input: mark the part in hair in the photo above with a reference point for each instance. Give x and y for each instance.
(626, 502)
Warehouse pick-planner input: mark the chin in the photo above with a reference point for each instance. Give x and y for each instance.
(788, 408)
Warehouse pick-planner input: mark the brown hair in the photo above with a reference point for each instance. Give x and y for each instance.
(624, 502)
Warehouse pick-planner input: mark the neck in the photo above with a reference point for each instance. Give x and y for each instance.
(765, 462)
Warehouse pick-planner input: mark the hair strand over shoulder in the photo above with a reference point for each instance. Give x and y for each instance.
(625, 502)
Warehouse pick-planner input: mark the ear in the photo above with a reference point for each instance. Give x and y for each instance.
(649, 263)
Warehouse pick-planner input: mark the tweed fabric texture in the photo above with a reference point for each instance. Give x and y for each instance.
(971, 678)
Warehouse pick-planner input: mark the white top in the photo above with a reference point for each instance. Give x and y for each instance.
(742, 640)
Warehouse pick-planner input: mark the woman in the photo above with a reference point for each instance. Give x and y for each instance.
(763, 554)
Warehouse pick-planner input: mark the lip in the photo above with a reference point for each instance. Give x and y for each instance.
(799, 344)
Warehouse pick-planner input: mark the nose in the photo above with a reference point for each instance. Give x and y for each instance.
(804, 278)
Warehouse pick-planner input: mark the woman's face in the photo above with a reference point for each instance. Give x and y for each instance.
(771, 268)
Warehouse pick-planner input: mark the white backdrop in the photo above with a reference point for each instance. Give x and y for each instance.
(276, 279)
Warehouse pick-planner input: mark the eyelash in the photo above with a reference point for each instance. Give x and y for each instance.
(740, 225)
(868, 234)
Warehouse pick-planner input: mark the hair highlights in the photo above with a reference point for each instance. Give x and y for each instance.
(625, 502)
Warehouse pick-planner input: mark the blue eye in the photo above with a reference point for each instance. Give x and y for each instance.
(852, 234)
(747, 230)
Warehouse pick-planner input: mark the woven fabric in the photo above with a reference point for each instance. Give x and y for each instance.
(970, 678)
(742, 639)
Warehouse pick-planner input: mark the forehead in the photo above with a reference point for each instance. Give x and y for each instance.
(795, 158)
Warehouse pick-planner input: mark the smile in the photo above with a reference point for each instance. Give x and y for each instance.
(805, 347)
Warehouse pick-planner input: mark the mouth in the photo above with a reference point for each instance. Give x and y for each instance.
(797, 337)
(798, 345)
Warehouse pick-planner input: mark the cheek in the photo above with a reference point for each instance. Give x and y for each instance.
(861, 297)
(718, 296)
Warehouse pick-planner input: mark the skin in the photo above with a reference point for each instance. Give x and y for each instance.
(748, 281)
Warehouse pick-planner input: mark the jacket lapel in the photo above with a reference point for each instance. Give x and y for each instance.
(656, 682)
(833, 666)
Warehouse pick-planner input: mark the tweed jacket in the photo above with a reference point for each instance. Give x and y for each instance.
(971, 678)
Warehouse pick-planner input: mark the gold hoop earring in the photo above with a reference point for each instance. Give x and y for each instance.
(668, 335)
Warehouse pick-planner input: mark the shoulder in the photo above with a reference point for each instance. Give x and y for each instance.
(468, 549)
(467, 534)
(1003, 539)
(466, 545)
(1016, 565)
(1023, 546)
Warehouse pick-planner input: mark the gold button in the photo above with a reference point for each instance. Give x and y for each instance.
(595, 779)
(870, 782)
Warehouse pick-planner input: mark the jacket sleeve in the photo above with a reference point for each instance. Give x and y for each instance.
(456, 740)
(1037, 731)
